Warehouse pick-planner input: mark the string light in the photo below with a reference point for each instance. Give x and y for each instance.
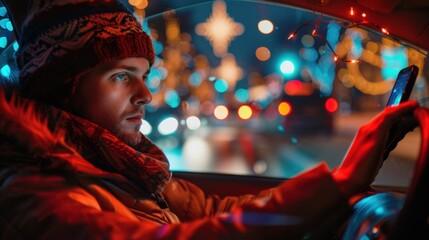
(316, 24)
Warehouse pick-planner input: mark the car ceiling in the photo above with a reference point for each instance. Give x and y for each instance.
(404, 19)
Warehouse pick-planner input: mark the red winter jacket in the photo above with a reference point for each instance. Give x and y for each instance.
(36, 203)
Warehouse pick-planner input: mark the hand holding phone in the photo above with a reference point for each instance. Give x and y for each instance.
(403, 86)
(400, 93)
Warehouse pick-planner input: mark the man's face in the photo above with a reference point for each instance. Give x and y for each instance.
(113, 96)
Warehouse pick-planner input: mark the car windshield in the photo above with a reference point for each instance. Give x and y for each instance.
(251, 88)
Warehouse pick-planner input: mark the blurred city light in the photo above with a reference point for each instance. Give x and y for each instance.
(242, 95)
(172, 98)
(221, 85)
(197, 153)
(145, 128)
(293, 87)
(218, 22)
(262, 53)
(168, 126)
(221, 112)
(207, 108)
(331, 105)
(229, 71)
(193, 122)
(5, 71)
(284, 108)
(3, 42)
(287, 67)
(245, 112)
(265, 26)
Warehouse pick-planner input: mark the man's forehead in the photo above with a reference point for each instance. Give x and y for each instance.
(132, 64)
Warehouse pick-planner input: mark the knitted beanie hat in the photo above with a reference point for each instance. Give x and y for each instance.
(61, 40)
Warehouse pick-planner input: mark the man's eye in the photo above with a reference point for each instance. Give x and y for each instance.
(120, 77)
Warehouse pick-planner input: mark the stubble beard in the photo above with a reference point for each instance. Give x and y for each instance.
(129, 139)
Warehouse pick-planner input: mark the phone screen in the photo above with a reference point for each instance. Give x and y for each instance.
(403, 86)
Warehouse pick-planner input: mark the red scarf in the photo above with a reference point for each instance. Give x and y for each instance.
(142, 169)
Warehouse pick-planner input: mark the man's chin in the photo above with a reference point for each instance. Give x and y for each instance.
(131, 139)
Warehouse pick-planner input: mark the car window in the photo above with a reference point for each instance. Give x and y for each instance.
(234, 92)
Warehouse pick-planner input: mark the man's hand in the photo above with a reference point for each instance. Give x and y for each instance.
(374, 141)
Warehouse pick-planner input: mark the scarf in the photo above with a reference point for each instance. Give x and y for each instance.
(142, 168)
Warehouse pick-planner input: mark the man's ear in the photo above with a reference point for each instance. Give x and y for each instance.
(17, 11)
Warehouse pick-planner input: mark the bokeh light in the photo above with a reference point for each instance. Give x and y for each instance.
(5, 71)
(284, 108)
(265, 26)
(242, 95)
(145, 128)
(193, 122)
(3, 42)
(287, 67)
(221, 112)
(245, 112)
(331, 105)
(307, 40)
(221, 85)
(195, 79)
(262, 53)
(172, 98)
(207, 108)
(293, 87)
(168, 126)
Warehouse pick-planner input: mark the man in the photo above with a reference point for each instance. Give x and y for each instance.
(75, 166)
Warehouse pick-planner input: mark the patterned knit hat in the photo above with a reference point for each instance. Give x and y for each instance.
(61, 40)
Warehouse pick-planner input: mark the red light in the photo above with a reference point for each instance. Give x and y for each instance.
(331, 105)
(352, 11)
(292, 87)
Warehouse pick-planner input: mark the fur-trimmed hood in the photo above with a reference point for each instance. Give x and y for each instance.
(26, 138)
(55, 140)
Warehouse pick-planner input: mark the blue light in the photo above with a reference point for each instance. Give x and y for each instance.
(3, 42)
(15, 46)
(394, 60)
(195, 79)
(9, 26)
(221, 85)
(157, 47)
(3, 22)
(294, 140)
(242, 95)
(287, 67)
(145, 27)
(154, 80)
(212, 79)
(5, 71)
(172, 98)
(357, 44)
(3, 11)
(309, 54)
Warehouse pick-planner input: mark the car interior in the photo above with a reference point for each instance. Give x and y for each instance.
(249, 93)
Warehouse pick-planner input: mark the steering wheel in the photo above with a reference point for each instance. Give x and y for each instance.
(385, 216)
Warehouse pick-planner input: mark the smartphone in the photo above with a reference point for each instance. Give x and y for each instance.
(403, 86)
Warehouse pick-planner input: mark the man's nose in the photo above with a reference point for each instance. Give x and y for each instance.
(141, 95)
